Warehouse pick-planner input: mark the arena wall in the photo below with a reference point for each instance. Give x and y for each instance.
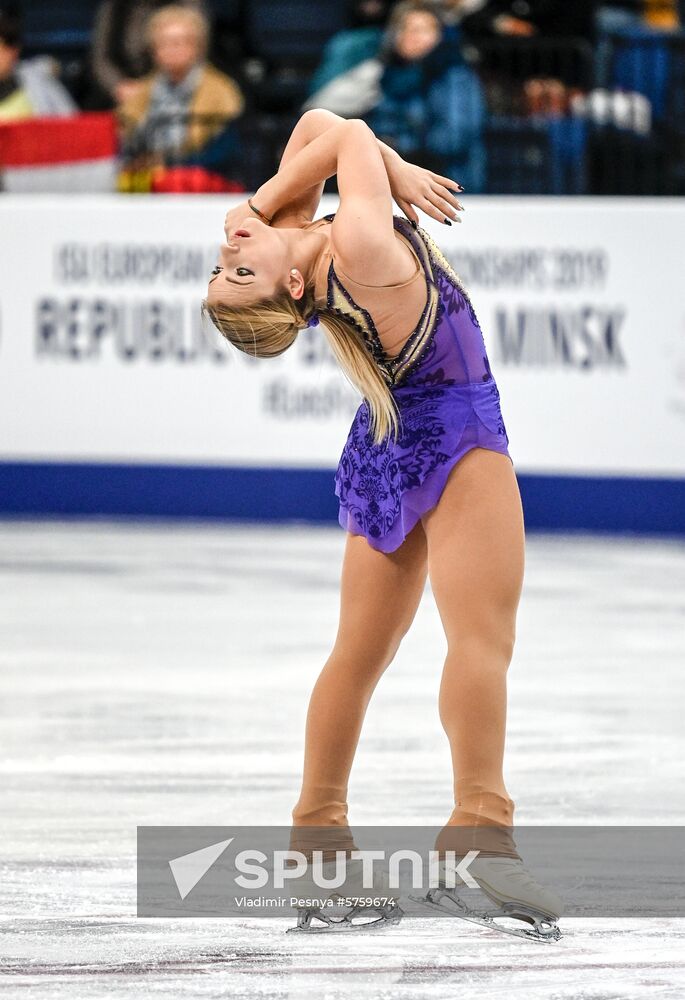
(115, 401)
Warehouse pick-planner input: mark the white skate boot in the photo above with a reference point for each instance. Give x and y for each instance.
(364, 907)
(505, 881)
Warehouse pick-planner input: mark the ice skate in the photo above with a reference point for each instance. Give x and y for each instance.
(363, 907)
(505, 881)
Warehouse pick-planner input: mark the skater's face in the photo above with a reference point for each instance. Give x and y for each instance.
(252, 266)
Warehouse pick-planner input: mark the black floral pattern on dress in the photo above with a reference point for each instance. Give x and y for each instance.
(494, 392)
(455, 301)
(372, 480)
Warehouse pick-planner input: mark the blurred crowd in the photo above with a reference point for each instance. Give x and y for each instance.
(505, 95)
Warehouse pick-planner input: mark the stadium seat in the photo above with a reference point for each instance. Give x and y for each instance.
(52, 27)
(621, 162)
(518, 157)
(535, 155)
(287, 37)
(228, 11)
(291, 30)
(263, 139)
(641, 61)
(675, 96)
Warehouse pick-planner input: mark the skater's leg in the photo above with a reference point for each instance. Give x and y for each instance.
(379, 595)
(475, 537)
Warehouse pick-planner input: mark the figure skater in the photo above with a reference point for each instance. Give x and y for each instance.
(425, 481)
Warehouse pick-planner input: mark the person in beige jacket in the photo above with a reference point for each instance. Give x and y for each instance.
(184, 102)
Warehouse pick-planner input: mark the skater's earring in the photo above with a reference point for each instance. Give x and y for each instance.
(296, 286)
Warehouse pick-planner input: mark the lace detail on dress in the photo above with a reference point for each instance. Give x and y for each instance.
(439, 260)
(340, 302)
(373, 482)
(394, 370)
(372, 478)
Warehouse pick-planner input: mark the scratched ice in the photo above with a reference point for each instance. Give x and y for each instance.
(159, 674)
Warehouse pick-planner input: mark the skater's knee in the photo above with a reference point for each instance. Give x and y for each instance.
(483, 646)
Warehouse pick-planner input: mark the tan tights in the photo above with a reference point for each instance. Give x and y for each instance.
(471, 544)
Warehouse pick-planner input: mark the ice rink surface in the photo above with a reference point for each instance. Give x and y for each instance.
(159, 674)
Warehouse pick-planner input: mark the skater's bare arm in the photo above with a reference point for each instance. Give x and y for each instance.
(409, 185)
(363, 229)
(310, 126)
(302, 208)
(291, 196)
(311, 165)
(315, 141)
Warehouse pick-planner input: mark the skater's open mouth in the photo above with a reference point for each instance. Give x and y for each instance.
(241, 232)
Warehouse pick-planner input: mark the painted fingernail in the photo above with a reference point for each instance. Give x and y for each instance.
(460, 188)
(414, 224)
(447, 222)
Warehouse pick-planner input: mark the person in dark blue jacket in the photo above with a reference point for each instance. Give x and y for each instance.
(432, 107)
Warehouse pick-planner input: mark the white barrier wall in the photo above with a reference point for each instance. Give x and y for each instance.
(102, 356)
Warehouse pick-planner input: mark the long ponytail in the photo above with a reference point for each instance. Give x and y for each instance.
(267, 329)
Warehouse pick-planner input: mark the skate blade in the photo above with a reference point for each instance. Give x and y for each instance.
(543, 930)
(388, 916)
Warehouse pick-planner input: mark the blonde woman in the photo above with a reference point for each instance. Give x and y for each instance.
(425, 481)
(184, 102)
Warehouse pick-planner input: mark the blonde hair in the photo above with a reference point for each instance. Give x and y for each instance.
(404, 8)
(267, 329)
(177, 12)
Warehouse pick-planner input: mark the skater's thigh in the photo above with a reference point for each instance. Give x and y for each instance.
(476, 539)
(379, 594)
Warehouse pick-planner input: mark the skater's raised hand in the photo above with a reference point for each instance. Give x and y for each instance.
(234, 217)
(415, 187)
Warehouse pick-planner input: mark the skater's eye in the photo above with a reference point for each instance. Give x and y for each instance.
(243, 272)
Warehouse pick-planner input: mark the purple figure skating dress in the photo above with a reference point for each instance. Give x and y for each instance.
(446, 396)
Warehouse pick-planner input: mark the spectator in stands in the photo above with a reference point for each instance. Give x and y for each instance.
(28, 88)
(185, 102)
(432, 108)
(351, 47)
(120, 54)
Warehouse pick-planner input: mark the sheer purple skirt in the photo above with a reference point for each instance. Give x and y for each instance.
(447, 398)
(384, 489)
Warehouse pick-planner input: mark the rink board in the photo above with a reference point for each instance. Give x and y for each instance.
(551, 503)
(115, 401)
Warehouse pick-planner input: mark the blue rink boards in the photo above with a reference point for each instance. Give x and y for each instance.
(242, 493)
